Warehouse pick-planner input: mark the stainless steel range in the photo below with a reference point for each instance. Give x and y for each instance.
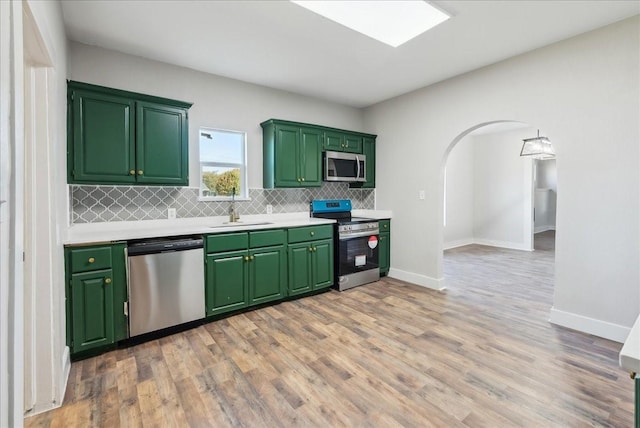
(355, 241)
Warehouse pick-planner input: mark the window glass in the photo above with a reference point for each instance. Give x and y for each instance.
(223, 164)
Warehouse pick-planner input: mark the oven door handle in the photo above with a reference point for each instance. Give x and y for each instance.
(358, 235)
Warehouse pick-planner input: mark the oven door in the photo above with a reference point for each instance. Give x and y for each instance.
(357, 254)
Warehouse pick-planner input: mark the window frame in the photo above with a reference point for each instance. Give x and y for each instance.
(243, 194)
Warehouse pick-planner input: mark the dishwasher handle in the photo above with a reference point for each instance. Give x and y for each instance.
(164, 246)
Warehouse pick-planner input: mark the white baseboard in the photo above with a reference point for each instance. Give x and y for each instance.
(66, 370)
(502, 244)
(458, 243)
(62, 387)
(541, 229)
(418, 279)
(599, 328)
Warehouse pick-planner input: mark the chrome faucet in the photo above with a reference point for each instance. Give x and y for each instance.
(233, 214)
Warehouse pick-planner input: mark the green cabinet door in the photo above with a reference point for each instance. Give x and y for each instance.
(287, 157)
(267, 274)
(369, 150)
(384, 246)
(333, 141)
(162, 144)
(352, 143)
(227, 285)
(120, 292)
(102, 137)
(93, 310)
(322, 263)
(384, 252)
(299, 259)
(121, 137)
(311, 157)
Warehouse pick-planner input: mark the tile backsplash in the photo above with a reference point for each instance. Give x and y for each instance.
(95, 204)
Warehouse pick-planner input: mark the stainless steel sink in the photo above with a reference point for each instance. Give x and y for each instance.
(241, 223)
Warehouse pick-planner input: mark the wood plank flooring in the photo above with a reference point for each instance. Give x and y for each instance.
(480, 354)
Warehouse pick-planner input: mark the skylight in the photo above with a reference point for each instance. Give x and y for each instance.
(392, 22)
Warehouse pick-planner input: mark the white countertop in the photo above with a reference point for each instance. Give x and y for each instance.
(88, 233)
(630, 352)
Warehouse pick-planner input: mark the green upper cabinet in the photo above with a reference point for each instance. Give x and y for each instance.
(352, 143)
(334, 141)
(338, 141)
(102, 138)
(120, 137)
(292, 155)
(311, 157)
(162, 144)
(369, 150)
(292, 152)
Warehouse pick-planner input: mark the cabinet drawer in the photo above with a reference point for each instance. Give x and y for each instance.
(385, 225)
(90, 258)
(227, 242)
(310, 233)
(265, 238)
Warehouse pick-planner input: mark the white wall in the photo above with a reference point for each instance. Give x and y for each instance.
(218, 102)
(11, 323)
(32, 34)
(502, 190)
(546, 195)
(489, 191)
(458, 230)
(583, 91)
(44, 285)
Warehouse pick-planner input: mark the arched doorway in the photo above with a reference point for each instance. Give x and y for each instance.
(492, 196)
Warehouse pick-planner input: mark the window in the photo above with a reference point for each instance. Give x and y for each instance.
(223, 164)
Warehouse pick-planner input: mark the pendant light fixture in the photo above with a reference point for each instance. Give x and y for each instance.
(538, 148)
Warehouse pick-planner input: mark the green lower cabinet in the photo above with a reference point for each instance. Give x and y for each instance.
(96, 296)
(226, 287)
(299, 268)
(384, 251)
(310, 266)
(637, 411)
(267, 274)
(93, 310)
(322, 263)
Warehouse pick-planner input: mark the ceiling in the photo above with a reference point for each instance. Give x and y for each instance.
(281, 45)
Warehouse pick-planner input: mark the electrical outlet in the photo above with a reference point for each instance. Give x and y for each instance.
(421, 195)
(171, 213)
(269, 209)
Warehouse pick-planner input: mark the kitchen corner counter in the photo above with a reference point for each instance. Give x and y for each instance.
(372, 214)
(92, 233)
(630, 352)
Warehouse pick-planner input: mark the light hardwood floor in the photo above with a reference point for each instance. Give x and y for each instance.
(480, 354)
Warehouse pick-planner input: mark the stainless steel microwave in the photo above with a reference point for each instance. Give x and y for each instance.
(349, 167)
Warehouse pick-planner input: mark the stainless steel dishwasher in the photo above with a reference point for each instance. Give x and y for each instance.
(166, 283)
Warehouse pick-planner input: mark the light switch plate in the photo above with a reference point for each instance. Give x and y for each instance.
(421, 195)
(269, 209)
(171, 213)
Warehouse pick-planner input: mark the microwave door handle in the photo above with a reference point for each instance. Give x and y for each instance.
(357, 170)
